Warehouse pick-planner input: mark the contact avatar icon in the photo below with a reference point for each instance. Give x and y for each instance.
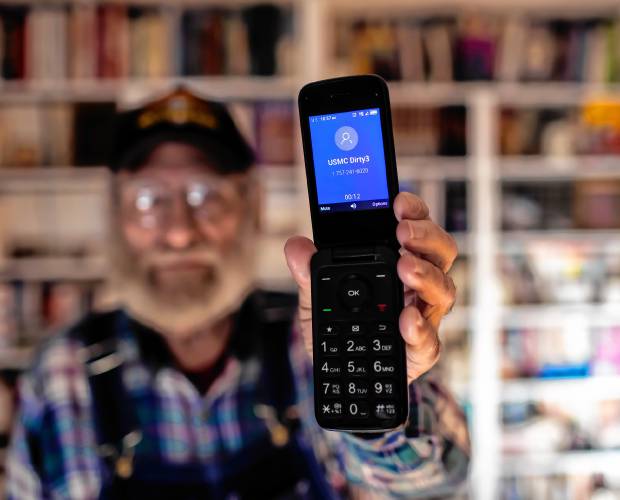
(346, 138)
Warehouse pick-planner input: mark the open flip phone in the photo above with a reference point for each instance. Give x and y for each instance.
(360, 380)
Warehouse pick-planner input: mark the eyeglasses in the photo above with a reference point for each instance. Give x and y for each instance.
(151, 203)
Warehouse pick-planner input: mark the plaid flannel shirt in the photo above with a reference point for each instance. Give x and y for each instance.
(53, 451)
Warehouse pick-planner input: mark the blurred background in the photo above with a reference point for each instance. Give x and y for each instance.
(507, 122)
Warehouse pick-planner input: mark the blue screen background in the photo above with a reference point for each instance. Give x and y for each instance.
(334, 188)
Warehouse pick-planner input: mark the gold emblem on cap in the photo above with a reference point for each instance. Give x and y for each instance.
(179, 108)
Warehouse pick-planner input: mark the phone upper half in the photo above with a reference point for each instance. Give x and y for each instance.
(350, 162)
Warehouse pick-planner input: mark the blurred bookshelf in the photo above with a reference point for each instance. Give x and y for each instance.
(506, 123)
(533, 83)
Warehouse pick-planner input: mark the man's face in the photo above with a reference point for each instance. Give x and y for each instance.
(182, 229)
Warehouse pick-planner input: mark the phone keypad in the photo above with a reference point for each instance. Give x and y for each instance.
(358, 349)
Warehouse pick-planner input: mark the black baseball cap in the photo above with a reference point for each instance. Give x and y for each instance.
(180, 116)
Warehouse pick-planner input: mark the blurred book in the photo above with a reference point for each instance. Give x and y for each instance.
(203, 36)
(411, 55)
(21, 135)
(12, 35)
(438, 39)
(456, 206)
(561, 205)
(80, 133)
(480, 46)
(509, 53)
(235, 39)
(113, 41)
(31, 310)
(531, 206)
(274, 123)
(555, 133)
(152, 42)
(475, 48)
(57, 142)
(416, 131)
(83, 33)
(54, 41)
(427, 131)
(93, 123)
(597, 204)
(265, 24)
(46, 43)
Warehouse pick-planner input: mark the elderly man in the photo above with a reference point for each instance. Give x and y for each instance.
(199, 385)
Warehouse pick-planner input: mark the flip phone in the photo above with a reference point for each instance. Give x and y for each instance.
(360, 380)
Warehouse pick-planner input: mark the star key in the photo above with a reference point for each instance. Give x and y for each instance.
(328, 329)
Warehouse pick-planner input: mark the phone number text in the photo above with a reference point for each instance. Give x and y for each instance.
(350, 171)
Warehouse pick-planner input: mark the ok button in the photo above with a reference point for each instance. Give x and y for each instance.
(353, 293)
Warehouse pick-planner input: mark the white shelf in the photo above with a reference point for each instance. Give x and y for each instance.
(15, 358)
(54, 179)
(404, 7)
(278, 177)
(557, 315)
(464, 240)
(579, 463)
(97, 179)
(410, 168)
(538, 168)
(547, 94)
(589, 389)
(432, 168)
(603, 240)
(513, 168)
(457, 319)
(251, 88)
(53, 268)
(255, 88)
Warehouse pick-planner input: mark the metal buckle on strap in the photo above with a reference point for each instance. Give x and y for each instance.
(123, 461)
(101, 357)
(280, 433)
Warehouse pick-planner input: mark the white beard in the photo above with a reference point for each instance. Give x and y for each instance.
(183, 313)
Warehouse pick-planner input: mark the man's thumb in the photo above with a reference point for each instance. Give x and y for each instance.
(298, 251)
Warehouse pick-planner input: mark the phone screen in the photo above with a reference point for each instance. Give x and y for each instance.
(349, 161)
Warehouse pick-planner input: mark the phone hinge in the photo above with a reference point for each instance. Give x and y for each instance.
(354, 254)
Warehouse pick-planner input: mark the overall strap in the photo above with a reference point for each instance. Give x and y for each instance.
(116, 424)
(278, 397)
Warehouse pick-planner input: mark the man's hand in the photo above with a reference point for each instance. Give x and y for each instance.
(426, 256)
